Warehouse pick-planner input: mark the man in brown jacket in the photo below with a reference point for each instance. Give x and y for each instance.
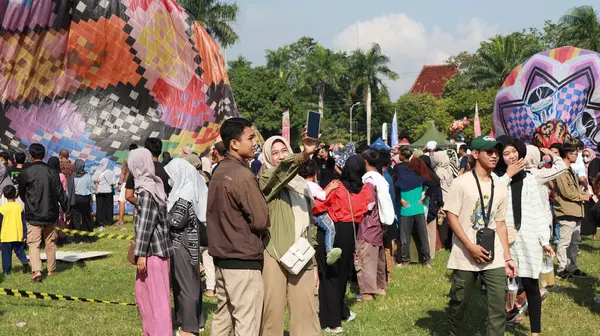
(568, 208)
(237, 221)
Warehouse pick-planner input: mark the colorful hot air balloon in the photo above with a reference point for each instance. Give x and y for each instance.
(553, 96)
(94, 76)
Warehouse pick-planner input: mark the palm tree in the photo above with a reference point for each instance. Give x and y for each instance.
(581, 28)
(368, 69)
(216, 17)
(279, 60)
(496, 58)
(322, 69)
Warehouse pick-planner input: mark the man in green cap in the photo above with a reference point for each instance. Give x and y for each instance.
(477, 207)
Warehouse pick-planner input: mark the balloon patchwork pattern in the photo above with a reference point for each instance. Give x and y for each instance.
(94, 76)
(553, 96)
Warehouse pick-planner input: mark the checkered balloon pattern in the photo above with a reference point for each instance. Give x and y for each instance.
(553, 96)
(95, 76)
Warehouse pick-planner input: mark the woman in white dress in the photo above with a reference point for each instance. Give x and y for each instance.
(527, 216)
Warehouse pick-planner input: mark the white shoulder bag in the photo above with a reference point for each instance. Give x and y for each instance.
(297, 256)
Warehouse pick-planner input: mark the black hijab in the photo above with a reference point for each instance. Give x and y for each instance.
(79, 172)
(54, 163)
(352, 174)
(516, 183)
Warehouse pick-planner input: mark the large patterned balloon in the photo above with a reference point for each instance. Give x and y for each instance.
(553, 96)
(94, 76)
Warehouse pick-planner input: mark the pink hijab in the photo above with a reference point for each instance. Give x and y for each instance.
(186, 151)
(141, 166)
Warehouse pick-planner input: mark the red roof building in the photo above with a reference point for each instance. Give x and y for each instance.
(432, 79)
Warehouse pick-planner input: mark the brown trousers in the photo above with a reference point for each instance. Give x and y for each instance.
(298, 292)
(34, 241)
(371, 271)
(240, 295)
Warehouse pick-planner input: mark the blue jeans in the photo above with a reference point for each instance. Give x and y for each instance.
(7, 249)
(555, 226)
(326, 223)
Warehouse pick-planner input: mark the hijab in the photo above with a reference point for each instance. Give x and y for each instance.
(352, 174)
(592, 154)
(187, 185)
(141, 166)
(406, 179)
(206, 164)
(54, 163)
(186, 151)
(443, 170)
(4, 178)
(516, 183)
(77, 173)
(103, 165)
(430, 164)
(533, 157)
(420, 167)
(297, 184)
(300, 196)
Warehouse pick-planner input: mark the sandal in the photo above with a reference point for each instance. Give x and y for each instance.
(364, 297)
(37, 277)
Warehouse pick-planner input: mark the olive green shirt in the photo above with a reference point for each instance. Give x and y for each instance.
(282, 233)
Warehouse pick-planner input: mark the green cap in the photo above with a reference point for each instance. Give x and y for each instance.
(484, 142)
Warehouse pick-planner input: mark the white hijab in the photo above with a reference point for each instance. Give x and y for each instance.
(187, 185)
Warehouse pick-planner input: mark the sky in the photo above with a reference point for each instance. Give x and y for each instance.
(411, 33)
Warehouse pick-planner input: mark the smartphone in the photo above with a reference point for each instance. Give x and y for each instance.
(313, 124)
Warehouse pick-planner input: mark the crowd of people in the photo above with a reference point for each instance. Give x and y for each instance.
(275, 230)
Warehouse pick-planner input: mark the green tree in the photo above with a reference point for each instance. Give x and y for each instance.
(216, 17)
(581, 28)
(416, 110)
(322, 69)
(497, 57)
(368, 70)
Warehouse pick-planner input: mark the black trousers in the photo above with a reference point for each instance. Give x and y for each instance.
(415, 223)
(104, 209)
(82, 219)
(532, 290)
(187, 293)
(334, 278)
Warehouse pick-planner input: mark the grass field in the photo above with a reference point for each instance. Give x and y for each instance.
(415, 303)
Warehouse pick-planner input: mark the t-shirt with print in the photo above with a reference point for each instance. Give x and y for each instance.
(464, 202)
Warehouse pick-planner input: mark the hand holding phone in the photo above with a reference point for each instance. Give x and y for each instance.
(313, 124)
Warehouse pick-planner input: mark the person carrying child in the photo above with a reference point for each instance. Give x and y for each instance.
(13, 230)
(309, 171)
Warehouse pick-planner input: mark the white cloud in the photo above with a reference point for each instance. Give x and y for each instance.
(410, 44)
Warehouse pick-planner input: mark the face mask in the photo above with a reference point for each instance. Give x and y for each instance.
(586, 159)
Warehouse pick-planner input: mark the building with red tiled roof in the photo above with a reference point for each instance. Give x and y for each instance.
(432, 79)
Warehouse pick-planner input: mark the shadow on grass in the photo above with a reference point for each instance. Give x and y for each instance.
(474, 321)
(583, 293)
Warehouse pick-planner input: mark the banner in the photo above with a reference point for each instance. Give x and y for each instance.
(384, 132)
(394, 137)
(476, 124)
(285, 125)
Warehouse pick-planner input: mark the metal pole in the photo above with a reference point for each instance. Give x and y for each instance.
(351, 107)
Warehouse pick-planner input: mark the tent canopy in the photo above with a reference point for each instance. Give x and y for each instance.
(432, 134)
(380, 144)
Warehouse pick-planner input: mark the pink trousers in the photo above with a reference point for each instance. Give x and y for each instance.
(153, 297)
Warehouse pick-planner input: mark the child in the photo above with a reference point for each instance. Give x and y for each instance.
(309, 172)
(13, 230)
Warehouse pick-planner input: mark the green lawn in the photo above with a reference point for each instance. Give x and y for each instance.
(414, 306)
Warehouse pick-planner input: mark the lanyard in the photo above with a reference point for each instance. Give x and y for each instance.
(486, 217)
